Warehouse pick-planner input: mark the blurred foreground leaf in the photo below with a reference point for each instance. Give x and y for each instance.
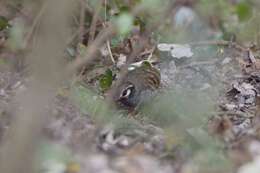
(17, 32)
(244, 11)
(54, 157)
(92, 104)
(181, 108)
(100, 111)
(124, 23)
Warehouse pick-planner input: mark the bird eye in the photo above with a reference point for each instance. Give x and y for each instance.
(127, 91)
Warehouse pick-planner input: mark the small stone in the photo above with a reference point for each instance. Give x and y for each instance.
(226, 61)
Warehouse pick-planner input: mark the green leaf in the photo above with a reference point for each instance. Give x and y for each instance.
(3, 23)
(105, 80)
(244, 11)
(124, 23)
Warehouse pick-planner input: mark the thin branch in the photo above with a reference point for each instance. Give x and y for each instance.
(19, 150)
(219, 43)
(92, 49)
(81, 21)
(91, 11)
(211, 62)
(110, 52)
(93, 26)
(29, 34)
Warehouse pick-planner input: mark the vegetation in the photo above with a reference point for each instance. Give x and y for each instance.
(66, 70)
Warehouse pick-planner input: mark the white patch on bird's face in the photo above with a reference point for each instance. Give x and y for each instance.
(127, 91)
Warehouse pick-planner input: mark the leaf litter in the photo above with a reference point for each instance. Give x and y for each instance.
(145, 147)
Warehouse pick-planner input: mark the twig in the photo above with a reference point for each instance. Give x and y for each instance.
(149, 53)
(20, 145)
(219, 43)
(95, 17)
(35, 23)
(74, 35)
(92, 49)
(14, 6)
(198, 63)
(91, 11)
(108, 42)
(110, 52)
(81, 21)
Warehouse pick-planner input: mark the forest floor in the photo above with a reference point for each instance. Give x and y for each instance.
(146, 147)
(211, 97)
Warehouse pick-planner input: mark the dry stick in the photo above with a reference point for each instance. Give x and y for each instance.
(198, 63)
(82, 21)
(110, 52)
(74, 35)
(91, 11)
(18, 9)
(108, 42)
(102, 37)
(71, 38)
(95, 18)
(18, 152)
(29, 35)
(92, 29)
(88, 8)
(92, 49)
(219, 43)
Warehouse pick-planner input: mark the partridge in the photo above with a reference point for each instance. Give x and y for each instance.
(137, 86)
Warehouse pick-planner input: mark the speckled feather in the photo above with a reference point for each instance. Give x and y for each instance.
(137, 85)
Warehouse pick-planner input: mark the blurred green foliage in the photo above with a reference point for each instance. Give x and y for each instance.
(3, 23)
(239, 19)
(100, 111)
(90, 103)
(53, 157)
(124, 23)
(184, 111)
(243, 11)
(106, 80)
(187, 108)
(17, 33)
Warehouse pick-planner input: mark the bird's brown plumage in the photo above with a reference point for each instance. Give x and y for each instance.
(136, 84)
